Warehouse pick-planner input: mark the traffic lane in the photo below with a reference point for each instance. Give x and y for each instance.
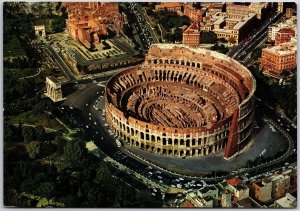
(263, 28)
(141, 171)
(142, 24)
(60, 61)
(110, 148)
(274, 116)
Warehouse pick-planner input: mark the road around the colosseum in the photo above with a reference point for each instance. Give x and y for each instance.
(267, 139)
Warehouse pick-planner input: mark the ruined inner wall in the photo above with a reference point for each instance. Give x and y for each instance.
(180, 102)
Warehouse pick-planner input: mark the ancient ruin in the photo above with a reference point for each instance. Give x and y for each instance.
(88, 22)
(183, 101)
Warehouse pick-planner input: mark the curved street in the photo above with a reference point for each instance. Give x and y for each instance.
(92, 120)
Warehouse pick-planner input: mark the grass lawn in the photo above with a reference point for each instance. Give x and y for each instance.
(13, 48)
(36, 119)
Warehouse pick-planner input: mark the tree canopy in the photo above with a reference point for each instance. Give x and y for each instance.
(208, 37)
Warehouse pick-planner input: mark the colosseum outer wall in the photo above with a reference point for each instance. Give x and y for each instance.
(161, 64)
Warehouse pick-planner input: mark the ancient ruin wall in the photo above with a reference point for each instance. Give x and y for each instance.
(181, 101)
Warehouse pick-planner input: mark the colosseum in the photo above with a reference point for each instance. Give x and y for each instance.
(183, 101)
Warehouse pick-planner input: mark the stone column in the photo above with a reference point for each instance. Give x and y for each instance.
(206, 151)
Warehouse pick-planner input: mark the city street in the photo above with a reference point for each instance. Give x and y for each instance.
(93, 121)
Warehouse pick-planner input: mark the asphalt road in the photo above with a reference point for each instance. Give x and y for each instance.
(82, 102)
(235, 53)
(61, 64)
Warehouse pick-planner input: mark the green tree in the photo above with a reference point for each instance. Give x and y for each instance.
(8, 131)
(256, 54)
(28, 133)
(231, 40)
(58, 24)
(39, 132)
(46, 189)
(60, 144)
(208, 37)
(75, 153)
(33, 149)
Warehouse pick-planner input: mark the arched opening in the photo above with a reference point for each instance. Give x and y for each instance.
(175, 152)
(193, 142)
(152, 138)
(187, 153)
(188, 142)
(181, 142)
(176, 141)
(181, 153)
(164, 141)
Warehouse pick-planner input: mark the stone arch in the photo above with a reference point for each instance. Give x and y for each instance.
(181, 142)
(175, 141)
(187, 153)
(181, 153)
(176, 152)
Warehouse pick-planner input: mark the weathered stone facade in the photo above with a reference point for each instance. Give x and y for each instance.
(53, 89)
(87, 21)
(181, 102)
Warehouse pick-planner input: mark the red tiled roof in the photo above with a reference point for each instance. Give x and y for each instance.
(234, 181)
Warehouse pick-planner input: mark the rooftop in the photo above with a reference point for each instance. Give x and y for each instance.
(283, 49)
(288, 201)
(192, 29)
(234, 181)
(169, 4)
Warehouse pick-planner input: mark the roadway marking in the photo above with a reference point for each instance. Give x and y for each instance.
(81, 94)
(102, 85)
